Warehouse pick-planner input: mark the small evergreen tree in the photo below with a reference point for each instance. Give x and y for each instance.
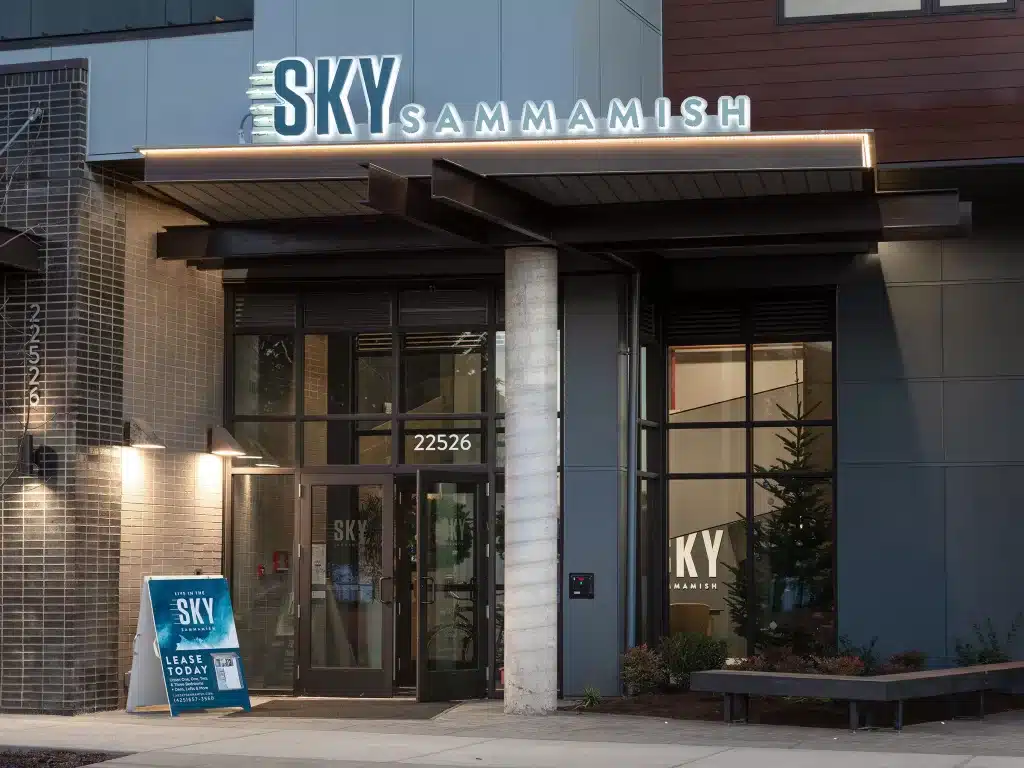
(792, 548)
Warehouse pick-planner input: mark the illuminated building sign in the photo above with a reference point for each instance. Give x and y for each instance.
(297, 100)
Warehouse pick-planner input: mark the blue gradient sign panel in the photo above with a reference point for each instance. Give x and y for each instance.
(198, 643)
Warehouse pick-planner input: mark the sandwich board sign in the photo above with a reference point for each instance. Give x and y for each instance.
(186, 653)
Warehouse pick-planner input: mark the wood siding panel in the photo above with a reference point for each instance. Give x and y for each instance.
(940, 87)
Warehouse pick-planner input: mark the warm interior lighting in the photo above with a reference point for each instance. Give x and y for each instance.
(220, 442)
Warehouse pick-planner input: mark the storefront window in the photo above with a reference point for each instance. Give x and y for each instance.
(346, 442)
(264, 375)
(443, 372)
(266, 443)
(751, 456)
(262, 535)
(347, 373)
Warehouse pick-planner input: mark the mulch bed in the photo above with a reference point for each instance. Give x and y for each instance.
(51, 758)
(814, 713)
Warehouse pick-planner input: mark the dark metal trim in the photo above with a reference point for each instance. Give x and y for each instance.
(928, 8)
(41, 66)
(143, 33)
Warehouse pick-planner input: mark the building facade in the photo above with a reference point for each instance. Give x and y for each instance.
(926, 367)
(464, 408)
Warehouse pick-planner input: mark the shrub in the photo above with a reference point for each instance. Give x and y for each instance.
(865, 653)
(591, 697)
(643, 670)
(990, 649)
(848, 666)
(776, 660)
(908, 661)
(688, 652)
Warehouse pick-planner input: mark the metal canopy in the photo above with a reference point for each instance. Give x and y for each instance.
(619, 198)
(19, 251)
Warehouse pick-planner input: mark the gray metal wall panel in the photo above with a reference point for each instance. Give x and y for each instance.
(524, 73)
(930, 373)
(458, 54)
(118, 82)
(983, 420)
(890, 332)
(621, 64)
(981, 329)
(274, 36)
(196, 92)
(891, 421)
(983, 535)
(592, 631)
(888, 588)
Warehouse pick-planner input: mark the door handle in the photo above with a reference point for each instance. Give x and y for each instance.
(380, 590)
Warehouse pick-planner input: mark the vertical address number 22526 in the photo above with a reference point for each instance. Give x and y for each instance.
(32, 354)
(442, 443)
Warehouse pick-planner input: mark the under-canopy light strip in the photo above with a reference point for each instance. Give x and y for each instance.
(504, 145)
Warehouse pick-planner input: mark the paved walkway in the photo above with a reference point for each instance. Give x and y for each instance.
(479, 734)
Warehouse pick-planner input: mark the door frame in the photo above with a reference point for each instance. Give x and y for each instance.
(463, 684)
(340, 681)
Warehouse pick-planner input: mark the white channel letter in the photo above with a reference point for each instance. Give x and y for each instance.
(412, 117)
(663, 112)
(695, 113)
(625, 118)
(712, 547)
(538, 121)
(449, 122)
(684, 556)
(734, 113)
(581, 119)
(491, 121)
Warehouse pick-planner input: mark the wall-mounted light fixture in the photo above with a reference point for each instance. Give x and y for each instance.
(138, 434)
(220, 442)
(36, 461)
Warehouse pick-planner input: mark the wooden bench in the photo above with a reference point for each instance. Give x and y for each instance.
(737, 687)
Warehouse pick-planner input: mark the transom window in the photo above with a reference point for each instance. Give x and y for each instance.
(812, 10)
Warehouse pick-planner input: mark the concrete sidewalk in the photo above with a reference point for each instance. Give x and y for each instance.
(479, 734)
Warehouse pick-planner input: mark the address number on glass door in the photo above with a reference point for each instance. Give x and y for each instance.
(442, 443)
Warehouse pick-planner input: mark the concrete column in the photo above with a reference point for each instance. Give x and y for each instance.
(531, 481)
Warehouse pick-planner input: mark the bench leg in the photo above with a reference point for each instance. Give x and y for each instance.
(854, 716)
(981, 705)
(899, 715)
(727, 707)
(745, 707)
(736, 707)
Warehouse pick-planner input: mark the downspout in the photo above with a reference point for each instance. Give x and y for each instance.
(632, 461)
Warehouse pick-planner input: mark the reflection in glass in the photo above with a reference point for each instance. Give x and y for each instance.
(707, 384)
(346, 442)
(444, 441)
(450, 578)
(773, 449)
(262, 508)
(266, 443)
(792, 381)
(701, 451)
(347, 373)
(707, 559)
(793, 565)
(345, 568)
(264, 375)
(444, 372)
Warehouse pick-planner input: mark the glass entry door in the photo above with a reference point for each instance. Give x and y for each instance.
(451, 596)
(346, 563)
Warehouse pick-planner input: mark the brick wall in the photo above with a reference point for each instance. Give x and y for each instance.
(59, 539)
(120, 335)
(172, 503)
